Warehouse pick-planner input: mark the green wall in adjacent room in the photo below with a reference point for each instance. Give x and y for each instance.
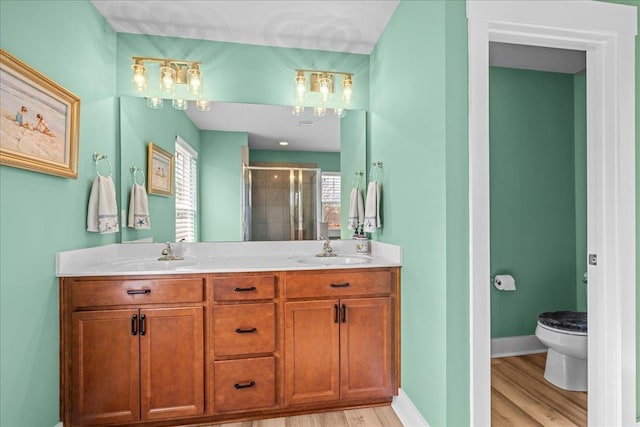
(580, 185)
(42, 214)
(140, 125)
(418, 128)
(220, 169)
(327, 161)
(532, 196)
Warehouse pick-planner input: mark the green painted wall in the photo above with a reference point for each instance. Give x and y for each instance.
(418, 128)
(42, 214)
(580, 180)
(235, 72)
(532, 194)
(326, 161)
(140, 125)
(220, 162)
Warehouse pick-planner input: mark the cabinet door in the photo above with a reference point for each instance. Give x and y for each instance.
(105, 367)
(365, 348)
(311, 352)
(171, 362)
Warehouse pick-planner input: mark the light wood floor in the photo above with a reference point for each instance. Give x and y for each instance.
(520, 396)
(382, 416)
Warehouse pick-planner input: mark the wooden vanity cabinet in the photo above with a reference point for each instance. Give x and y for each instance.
(245, 342)
(340, 333)
(133, 349)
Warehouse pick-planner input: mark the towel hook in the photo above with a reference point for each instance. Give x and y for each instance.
(355, 183)
(99, 156)
(376, 171)
(134, 171)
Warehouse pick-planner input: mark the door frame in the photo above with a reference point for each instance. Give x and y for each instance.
(606, 32)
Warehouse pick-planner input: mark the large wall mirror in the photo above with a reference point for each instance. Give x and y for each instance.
(249, 186)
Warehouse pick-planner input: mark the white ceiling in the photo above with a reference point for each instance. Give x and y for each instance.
(304, 132)
(342, 26)
(537, 58)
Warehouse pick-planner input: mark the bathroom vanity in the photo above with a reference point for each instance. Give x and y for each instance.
(225, 336)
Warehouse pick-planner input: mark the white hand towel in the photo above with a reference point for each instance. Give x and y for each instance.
(356, 209)
(372, 208)
(139, 208)
(102, 215)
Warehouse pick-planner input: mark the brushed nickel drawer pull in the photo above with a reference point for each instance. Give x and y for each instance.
(138, 291)
(247, 385)
(340, 285)
(246, 331)
(252, 288)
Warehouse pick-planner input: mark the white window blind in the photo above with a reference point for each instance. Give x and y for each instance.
(331, 199)
(186, 175)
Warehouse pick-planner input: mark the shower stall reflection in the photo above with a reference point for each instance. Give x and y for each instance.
(281, 203)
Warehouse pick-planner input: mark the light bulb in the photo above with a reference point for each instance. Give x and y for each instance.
(347, 89)
(297, 110)
(195, 81)
(301, 86)
(319, 111)
(325, 88)
(155, 103)
(203, 105)
(139, 77)
(179, 104)
(167, 79)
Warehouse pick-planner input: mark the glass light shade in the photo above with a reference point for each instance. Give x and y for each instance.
(179, 104)
(325, 88)
(319, 111)
(195, 80)
(156, 103)
(139, 77)
(167, 79)
(297, 110)
(340, 112)
(203, 105)
(301, 86)
(347, 89)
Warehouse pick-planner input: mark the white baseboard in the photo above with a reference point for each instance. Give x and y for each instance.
(407, 412)
(59, 424)
(516, 346)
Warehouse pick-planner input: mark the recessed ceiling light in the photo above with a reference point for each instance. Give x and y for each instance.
(305, 122)
(283, 143)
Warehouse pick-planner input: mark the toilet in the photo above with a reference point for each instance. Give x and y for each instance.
(565, 333)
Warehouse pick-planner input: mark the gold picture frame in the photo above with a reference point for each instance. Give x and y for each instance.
(40, 121)
(159, 171)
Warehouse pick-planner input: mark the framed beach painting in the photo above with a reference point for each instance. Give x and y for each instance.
(159, 171)
(39, 121)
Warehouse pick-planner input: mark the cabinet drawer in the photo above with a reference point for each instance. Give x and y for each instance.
(143, 291)
(245, 384)
(244, 288)
(244, 329)
(337, 284)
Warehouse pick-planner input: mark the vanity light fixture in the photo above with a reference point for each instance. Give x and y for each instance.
(316, 88)
(180, 80)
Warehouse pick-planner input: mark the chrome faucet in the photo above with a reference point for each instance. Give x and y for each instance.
(168, 254)
(327, 250)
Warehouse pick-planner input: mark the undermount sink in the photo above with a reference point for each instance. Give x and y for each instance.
(155, 265)
(335, 260)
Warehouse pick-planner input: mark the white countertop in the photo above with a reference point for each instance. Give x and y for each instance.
(221, 257)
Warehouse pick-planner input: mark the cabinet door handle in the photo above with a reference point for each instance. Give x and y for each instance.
(138, 291)
(134, 324)
(344, 313)
(247, 385)
(142, 328)
(340, 285)
(252, 288)
(336, 317)
(246, 331)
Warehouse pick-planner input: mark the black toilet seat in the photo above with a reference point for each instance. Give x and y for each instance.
(573, 321)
